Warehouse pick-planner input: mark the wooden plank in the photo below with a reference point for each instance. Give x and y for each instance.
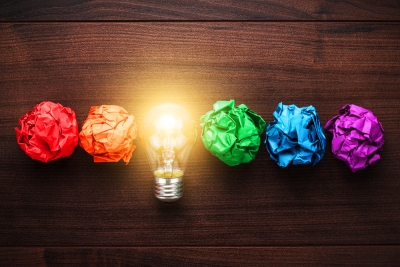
(202, 256)
(74, 202)
(48, 10)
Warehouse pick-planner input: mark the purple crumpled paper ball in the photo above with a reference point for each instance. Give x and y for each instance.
(357, 136)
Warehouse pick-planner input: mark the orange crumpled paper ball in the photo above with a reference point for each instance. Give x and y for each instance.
(48, 132)
(108, 133)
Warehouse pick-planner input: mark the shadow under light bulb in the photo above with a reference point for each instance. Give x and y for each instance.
(168, 135)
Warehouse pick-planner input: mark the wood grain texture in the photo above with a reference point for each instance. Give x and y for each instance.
(200, 256)
(22, 10)
(74, 202)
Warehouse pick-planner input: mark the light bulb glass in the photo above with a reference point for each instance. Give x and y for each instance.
(168, 134)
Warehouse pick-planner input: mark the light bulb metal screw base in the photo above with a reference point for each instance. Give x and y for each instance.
(168, 189)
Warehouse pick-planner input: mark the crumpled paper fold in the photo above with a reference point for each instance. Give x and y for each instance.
(232, 133)
(357, 136)
(48, 132)
(296, 136)
(108, 134)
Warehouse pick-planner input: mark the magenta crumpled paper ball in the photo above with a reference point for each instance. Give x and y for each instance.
(357, 136)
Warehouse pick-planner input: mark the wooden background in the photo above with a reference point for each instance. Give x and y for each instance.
(73, 212)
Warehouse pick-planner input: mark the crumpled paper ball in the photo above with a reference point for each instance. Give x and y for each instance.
(48, 132)
(232, 133)
(108, 134)
(296, 136)
(357, 136)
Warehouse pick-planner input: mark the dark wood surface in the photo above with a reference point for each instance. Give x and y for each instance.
(73, 212)
(203, 256)
(39, 10)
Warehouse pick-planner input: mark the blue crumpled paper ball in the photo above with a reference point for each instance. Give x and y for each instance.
(296, 135)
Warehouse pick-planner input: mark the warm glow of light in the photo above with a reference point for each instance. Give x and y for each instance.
(167, 122)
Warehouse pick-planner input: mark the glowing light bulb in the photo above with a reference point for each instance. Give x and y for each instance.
(168, 135)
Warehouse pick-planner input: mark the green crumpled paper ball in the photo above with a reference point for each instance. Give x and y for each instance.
(232, 133)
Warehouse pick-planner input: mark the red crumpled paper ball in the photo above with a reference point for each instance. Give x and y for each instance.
(48, 132)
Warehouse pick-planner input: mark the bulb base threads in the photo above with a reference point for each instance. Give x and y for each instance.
(168, 189)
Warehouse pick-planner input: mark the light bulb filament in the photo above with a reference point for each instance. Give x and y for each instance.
(168, 158)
